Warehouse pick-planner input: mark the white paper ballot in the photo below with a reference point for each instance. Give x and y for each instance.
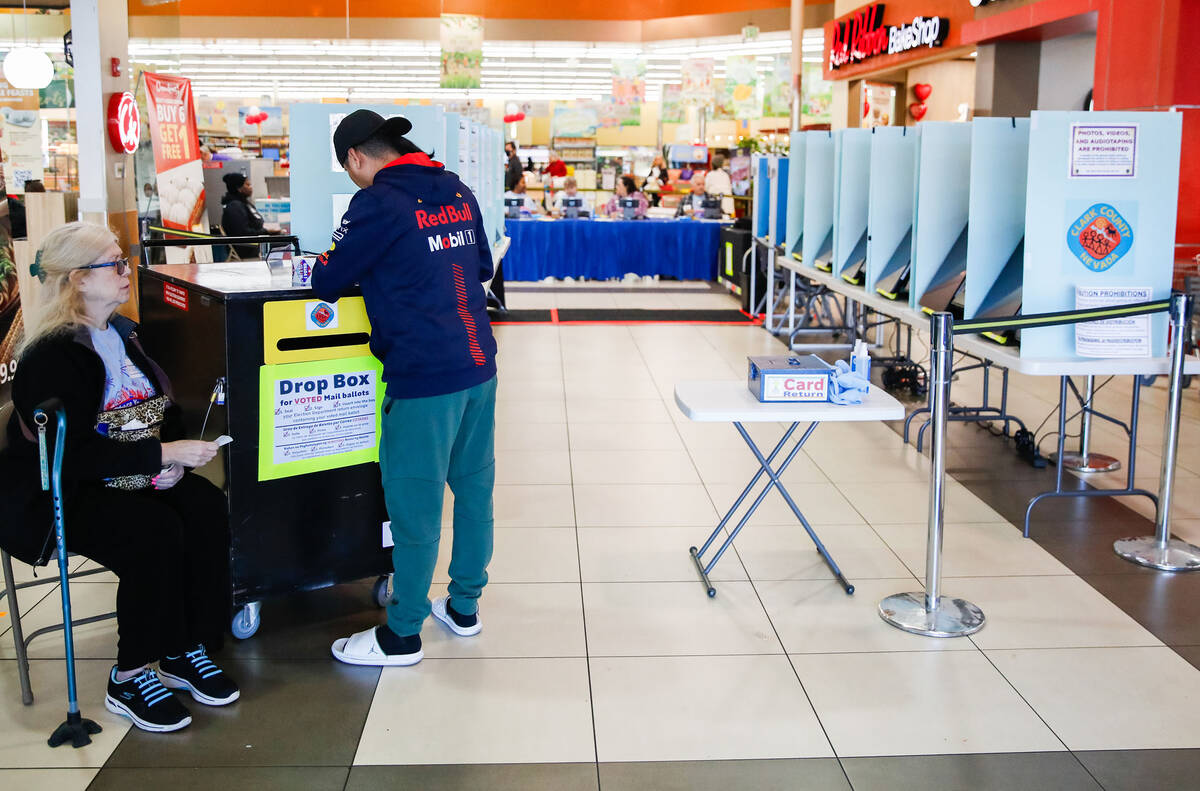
(1128, 336)
(224, 439)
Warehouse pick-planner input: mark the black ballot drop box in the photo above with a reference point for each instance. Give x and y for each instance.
(733, 269)
(291, 379)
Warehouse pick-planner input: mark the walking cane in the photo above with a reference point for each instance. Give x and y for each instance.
(76, 729)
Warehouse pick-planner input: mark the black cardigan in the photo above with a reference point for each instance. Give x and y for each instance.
(66, 366)
(240, 218)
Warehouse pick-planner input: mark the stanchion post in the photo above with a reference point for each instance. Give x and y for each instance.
(923, 613)
(1160, 551)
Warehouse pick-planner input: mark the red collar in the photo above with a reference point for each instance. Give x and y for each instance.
(419, 158)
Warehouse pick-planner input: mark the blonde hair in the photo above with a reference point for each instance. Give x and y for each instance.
(60, 304)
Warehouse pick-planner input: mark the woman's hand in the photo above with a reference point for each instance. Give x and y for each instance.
(168, 477)
(188, 452)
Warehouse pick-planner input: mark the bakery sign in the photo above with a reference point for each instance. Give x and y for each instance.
(862, 36)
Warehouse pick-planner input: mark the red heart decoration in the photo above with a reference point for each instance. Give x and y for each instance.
(510, 119)
(922, 90)
(519, 117)
(917, 110)
(866, 108)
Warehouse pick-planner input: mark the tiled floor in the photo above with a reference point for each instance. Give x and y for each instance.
(604, 665)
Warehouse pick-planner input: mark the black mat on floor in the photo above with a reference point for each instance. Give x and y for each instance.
(520, 316)
(663, 315)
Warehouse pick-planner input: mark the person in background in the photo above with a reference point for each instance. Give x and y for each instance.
(132, 504)
(656, 179)
(239, 217)
(692, 204)
(556, 168)
(570, 190)
(430, 329)
(518, 191)
(717, 182)
(512, 170)
(626, 188)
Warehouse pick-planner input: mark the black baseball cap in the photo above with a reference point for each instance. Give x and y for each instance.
(361, 125)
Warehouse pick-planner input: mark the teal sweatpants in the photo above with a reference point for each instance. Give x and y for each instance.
(427, 443)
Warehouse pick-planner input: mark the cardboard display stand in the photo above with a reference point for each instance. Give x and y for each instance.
(819, 170)
(996, 242)
(794, 237)
(1100, 227)
(890, 202)
(852, 157)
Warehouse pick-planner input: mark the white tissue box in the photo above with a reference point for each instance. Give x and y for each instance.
(789, 378)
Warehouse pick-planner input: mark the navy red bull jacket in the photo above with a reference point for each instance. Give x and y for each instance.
(414, 242)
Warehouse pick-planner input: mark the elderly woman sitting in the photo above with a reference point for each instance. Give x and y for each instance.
(131, 504)
(626, 188)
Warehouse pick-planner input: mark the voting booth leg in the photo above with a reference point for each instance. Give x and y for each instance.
(1085, 460)
(929, 613)
(1160, 551)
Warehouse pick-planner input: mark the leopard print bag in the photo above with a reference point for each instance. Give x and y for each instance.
(130, 424)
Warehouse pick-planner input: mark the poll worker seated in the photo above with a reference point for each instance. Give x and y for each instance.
(626, 188)
(529, 206)
(570, 190)
(692, 204)
(131, 503)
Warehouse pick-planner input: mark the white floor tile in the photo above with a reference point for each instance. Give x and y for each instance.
(526, 506)
(890, 503)
(531, 436)
(522, 554)
(24, 729)
(978, 549)
(1110, 698)
(785, 552)
(1047, 612)
(47, 779)
(738, 465)
(702, 709)
(675, 618)
(817, 617)
(519, 620)
(611, 387)
(92, 641)
(531, 411)
(920, 703)
(533, 467)
(480, 711)
(550, 389)
(632, 467)
(625, 436)
(617, 505)
(869, 465)
(648, 554)
(616, 410)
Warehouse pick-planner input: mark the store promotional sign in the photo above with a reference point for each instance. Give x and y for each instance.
(672, 106)
(21, 136)
(318, 416)
(253, 121)
(697, 88)
(629, 81)
(575, 121)
(10, 307)
(862, 35)
(741, 86)
(462, 51)
(777, 88)
(177, 163)
(1100, 214)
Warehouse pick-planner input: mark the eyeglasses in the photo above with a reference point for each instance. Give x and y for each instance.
(121, 264)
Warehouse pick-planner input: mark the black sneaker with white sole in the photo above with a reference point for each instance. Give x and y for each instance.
(199, 675)
(147, 702)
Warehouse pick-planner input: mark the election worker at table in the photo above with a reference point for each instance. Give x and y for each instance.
(530, 206)
(131, 504)
(413, 239)
(717, 182)
(692, 204)
(626, 188)
(570, 190)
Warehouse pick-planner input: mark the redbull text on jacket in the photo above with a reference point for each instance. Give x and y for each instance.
(445, 216)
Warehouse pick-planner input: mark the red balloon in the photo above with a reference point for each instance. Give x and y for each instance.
(917, 110)
(866, 108)
(922, 90)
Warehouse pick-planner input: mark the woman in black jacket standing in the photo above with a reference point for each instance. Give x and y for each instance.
(131, 504)
(239, 217)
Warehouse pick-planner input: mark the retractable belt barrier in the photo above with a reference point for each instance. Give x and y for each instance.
(930, 614)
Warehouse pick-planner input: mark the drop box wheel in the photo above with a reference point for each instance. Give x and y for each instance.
(381, 591)
(246, 621)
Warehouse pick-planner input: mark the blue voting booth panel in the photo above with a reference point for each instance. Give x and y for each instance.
(318, 185)
(779, 194)
(890, 202)
(819, 170)
(1101, 212)
(999, 152)
(794, 236)
(943, 173)
(851, 187)
(762, 197)
(603, 249)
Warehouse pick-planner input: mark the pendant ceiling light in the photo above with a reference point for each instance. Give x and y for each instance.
(25, 67)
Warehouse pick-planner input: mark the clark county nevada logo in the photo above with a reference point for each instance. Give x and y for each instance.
(1100, 237)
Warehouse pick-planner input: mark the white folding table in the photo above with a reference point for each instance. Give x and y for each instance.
(732, 402)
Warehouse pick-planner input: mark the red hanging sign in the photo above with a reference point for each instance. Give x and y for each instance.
(124, 123)
(177, 162)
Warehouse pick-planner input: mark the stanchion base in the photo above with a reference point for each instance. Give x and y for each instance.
(951, 618)
(1145, 551)
(1093, 462)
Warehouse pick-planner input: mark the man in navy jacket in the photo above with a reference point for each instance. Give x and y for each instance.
(413, 240)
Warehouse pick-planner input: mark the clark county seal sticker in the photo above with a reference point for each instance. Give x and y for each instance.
(321, 315)
(1100, 237)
